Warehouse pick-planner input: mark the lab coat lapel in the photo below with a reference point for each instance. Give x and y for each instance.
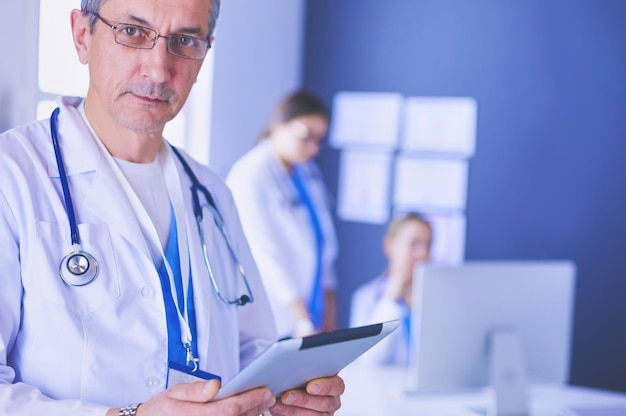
(114, 209)
(105, 196)
(281, 177)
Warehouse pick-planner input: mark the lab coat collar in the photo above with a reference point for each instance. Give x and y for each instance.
(278, 170)
(81, 154)
(76, 141)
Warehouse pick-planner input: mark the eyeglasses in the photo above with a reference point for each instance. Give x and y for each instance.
(304, 133)
(140, 37)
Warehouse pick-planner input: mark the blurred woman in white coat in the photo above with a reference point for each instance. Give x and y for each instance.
(407, 242)
(284, 209)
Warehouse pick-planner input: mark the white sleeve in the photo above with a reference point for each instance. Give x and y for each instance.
(370, 308)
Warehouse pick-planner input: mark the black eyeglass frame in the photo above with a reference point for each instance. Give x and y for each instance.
(119, 26)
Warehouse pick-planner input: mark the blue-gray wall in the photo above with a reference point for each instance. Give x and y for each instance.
(547, 180)
(256, 64)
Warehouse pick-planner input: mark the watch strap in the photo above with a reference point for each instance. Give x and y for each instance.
(129, 410)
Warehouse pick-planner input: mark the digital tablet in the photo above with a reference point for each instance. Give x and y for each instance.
(290, 363)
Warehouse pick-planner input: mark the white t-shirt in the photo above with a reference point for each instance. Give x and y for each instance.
(148, 182)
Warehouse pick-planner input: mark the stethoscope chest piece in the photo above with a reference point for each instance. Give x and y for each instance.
(78, 268)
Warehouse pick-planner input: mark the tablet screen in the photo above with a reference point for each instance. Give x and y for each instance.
(291, 362)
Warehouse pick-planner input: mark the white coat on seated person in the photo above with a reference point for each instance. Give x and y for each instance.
(406, 243)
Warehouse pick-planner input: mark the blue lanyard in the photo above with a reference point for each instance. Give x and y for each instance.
(176, 351)
(316, 299)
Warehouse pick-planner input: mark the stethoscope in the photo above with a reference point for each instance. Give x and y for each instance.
(79, 268)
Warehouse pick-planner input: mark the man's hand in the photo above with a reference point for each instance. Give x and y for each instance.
(320, 398)
(192, 399)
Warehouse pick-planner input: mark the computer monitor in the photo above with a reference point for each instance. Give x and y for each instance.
(458, 309)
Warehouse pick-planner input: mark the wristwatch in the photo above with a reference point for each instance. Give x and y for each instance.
(129, 410)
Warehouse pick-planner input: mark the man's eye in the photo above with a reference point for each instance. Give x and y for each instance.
(132, 31)
(186, 41)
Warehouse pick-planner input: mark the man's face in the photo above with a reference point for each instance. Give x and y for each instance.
(142, 89)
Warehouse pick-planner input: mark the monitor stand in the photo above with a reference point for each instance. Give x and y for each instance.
(508, 376)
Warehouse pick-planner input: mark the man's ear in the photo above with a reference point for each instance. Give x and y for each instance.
(81, 35)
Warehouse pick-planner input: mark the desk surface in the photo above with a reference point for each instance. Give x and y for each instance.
(379, 391)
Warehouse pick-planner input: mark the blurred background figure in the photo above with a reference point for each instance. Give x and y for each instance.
(284, 209)
(406, 243)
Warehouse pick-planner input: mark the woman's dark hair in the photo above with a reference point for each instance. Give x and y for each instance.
(297, 104)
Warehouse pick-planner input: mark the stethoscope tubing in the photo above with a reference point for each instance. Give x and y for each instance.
(197, 188)
(69, 206)
(77, 268)
(80, 275)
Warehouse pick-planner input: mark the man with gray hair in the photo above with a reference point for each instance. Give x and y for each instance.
(123, 293)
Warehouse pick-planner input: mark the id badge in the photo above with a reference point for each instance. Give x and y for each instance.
(178, 373)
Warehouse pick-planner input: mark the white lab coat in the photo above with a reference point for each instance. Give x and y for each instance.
(369, 306)
(103, 344)
(278, 228)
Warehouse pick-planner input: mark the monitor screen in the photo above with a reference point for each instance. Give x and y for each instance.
(458, 309)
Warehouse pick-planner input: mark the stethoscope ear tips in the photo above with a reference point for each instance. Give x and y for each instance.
(243, 300)
(78, 268)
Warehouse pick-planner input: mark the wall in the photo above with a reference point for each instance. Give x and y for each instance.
(545, 183)
(257, 61)
(18, 76)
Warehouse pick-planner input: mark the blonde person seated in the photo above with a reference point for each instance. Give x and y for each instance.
(284, 209)
(407, 242)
